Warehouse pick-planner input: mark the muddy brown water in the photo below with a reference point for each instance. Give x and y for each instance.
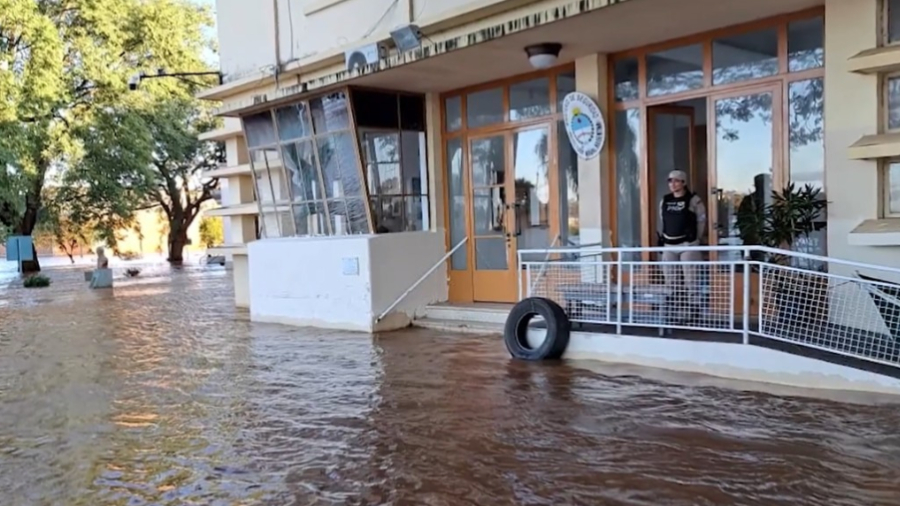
(161, 393)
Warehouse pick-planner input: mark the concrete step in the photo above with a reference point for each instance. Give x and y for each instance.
(463, 326)
(471, 314)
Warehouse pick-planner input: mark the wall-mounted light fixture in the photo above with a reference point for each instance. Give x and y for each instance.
(544, 55)
(407, 38)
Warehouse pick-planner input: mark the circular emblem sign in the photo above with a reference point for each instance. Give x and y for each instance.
(584, 124)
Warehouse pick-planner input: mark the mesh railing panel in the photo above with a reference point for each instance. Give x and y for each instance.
(853, 316)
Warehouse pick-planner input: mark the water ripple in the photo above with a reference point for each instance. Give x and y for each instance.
(161, 393)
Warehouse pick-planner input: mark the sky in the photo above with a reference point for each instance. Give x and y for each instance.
(210, 56)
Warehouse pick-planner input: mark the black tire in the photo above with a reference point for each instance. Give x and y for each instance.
(516, 329)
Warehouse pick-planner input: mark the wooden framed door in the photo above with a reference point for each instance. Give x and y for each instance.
(513, 206)
(745, 139)
(671, 144)
(492, 229)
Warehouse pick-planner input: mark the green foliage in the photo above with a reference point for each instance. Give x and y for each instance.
(36, 281)
(212, 233)
(67, 84)
(792, 213)
(57, 226)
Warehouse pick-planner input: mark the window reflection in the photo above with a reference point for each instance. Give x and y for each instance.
(675, 70)
(293, 122)
(745, 56)
(628, 180)
(567, 160)
(893, 189)
(893, 102)
(457, 204)
(529, 99)
(259, 130)
(565, 84)
(626, 79)
(893, 20)
(807, 151)
(806, 44)
(329, 113)
(484, 108)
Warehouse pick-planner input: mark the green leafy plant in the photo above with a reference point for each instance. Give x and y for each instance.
(793, 213)
(36, 281)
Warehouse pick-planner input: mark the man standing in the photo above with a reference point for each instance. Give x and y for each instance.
(682, 223)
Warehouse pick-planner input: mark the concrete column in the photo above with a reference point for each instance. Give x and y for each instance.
(241, 275)
(434, 143)
(591, 79)
(851, 111)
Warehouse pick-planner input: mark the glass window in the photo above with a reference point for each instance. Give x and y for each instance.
(892, 187)
(745, 56)
(484, 108)
(397, 179)
(300, 161)
(457, 204)
(565, 84)
(626, 79)
(348, 216)
(453, 114)
(675, 70)
(412, 112)
(628, 180)
(293, 122)
(259, 130)
(893, 102)
(893, 20)
(329, 113)
(529, 99)
(337, 159)
(806, 44)
(376, 109)
(807, 150)
(310, 218)
(567, 162)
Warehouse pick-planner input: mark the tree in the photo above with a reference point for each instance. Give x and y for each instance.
(212, 232)
(57, 226)
(67, 60)
(157, 161)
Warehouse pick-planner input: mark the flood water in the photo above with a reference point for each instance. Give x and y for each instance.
(162, 393)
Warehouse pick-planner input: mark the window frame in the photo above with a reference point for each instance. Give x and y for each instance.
(884, 183)
(423, 195)
(884, 12)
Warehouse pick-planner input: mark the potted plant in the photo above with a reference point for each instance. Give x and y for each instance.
(799, 295)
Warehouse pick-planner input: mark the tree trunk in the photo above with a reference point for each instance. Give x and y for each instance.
(26, 227)
(178, 239)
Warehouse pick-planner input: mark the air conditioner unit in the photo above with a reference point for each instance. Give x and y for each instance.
(370, 54)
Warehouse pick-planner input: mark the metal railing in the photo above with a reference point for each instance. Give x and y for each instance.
(421, 279)
(839, 306)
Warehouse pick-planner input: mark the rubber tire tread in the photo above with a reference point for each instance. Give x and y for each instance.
(558, 330)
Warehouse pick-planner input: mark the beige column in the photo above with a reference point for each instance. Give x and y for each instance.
(434, 144)
(591, 79)
(851, 111)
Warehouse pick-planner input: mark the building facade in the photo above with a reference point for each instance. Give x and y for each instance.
(463, 139)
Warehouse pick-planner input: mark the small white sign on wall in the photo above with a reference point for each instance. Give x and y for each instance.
(584, 125)
(350, 266)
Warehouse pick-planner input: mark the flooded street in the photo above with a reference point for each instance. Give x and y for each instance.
(162, 393)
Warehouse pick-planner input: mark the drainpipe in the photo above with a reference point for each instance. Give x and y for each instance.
(277, 43)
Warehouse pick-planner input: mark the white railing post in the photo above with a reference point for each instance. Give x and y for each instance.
(746, 297)
(619, 275)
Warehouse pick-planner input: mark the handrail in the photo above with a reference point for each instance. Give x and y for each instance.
(761, 249)
(543, 265)
(420, 280)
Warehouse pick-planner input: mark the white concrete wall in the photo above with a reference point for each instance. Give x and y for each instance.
(851, 111)
(733, 361)
(246, 36)
(311, 287)
(312, 29)
(241, 274)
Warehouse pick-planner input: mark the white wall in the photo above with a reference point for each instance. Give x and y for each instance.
(303, 281)
(851, 111)
(734, 361)
(246, 36)
(247, 27)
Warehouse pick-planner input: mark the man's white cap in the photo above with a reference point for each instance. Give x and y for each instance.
(679, 175)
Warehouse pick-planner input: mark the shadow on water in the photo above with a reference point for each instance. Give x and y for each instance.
(160, 392)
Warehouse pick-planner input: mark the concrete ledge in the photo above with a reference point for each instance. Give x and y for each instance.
(230, 171)
(236, 210)
(875, 60)
(222, 134)
(873, 147)
(726, 360)
(883, 232)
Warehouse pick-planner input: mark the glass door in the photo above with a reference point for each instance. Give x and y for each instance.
(492, 235)
(745, 169)
(513, 207)
(671, 147)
